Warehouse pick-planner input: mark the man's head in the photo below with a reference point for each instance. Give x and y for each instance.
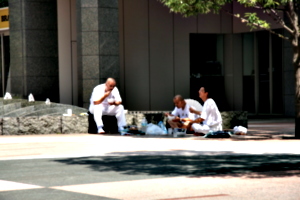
(110, 84)
(179, 101)
(203, 93)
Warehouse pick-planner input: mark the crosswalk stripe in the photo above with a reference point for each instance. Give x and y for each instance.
(10, 185)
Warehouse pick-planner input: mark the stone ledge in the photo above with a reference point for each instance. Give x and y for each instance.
(230, 118)
(48, 124)
(43, 125)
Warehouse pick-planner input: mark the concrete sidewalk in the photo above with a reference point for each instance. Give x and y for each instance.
(265, 134)
(272, 127)
(259, 165)
(88, 166)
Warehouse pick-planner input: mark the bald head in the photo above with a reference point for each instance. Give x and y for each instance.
(179, 101)
(110, 84)
(178, 97)
(110, 80)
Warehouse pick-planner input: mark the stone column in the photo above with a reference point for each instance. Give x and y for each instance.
(33, 49)
(98, 45)
(288, 79)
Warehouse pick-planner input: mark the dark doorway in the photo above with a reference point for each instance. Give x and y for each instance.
(206, 66)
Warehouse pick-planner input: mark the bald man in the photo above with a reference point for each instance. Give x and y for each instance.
(182, 114)
(106, 100)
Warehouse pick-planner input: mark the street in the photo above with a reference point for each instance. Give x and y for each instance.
(88, 166)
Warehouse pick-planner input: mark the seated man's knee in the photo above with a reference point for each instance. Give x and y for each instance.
(199, 128)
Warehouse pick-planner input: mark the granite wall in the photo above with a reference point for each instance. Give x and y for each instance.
(230, 119)
(43, 125)
(79, 124)
(288, 79)
(98, 44)
(33, 49)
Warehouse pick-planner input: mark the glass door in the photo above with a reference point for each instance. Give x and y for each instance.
(262, 73)
(206, 66)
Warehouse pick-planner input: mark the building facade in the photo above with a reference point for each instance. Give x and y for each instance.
(62, 49)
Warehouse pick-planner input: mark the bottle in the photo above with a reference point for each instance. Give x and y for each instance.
(162, 126)
(144, 124)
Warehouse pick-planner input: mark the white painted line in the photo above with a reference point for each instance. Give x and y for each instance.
(9, 186)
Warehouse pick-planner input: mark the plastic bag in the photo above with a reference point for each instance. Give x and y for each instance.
(7, 96)
(30, 98)
(144, 125)
(163, 127)
(239, 130)
(153, 129)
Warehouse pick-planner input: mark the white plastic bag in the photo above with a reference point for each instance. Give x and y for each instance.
(30, 98)
(153, 129)
(48, 101)
(239, 130)
(163, 127)
(7, 95)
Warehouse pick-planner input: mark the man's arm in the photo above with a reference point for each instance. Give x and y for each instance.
(117, 97)
(186, 119)
(198, 120)
(106, 94)
(195, 111)
(116, 103)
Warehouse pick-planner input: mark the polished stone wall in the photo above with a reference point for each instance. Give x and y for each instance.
(33, 47)
(98, 44)
(288, 80)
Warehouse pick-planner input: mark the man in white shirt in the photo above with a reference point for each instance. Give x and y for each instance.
(181, 116)
(210, 116)
(106, 100)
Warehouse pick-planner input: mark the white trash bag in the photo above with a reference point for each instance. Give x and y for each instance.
(7, 95)
(30, 98)
(153, 129)
(240, 130)
(48, 102)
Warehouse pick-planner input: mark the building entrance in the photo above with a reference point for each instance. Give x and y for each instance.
(262, 73)
(257, 69)
(206, 66)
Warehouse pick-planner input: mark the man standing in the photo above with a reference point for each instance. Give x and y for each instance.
(181, 116)
(210, 118)
(106, 100)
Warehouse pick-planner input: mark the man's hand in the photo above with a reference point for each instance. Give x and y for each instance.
(186, 119)
(106, 94)
(176, 119)
(198, 120)
(116, 103)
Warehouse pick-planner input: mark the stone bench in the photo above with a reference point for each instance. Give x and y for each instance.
(230, 118)
(58, 124)
(43, 125)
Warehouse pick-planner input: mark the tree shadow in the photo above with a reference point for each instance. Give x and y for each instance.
(208, 164)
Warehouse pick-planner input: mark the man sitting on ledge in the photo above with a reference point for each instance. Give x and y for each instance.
(210, 118)
(106, 100)
(181, 116)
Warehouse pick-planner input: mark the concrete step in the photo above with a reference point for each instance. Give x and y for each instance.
(43, 109)
(9, 107)
(22, 107)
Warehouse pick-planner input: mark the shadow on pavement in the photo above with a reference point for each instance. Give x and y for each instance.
(249, 166)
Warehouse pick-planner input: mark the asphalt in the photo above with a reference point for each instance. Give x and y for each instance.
(262, 164)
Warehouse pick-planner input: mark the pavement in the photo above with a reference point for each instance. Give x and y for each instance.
(272, 127)
(259, 165)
